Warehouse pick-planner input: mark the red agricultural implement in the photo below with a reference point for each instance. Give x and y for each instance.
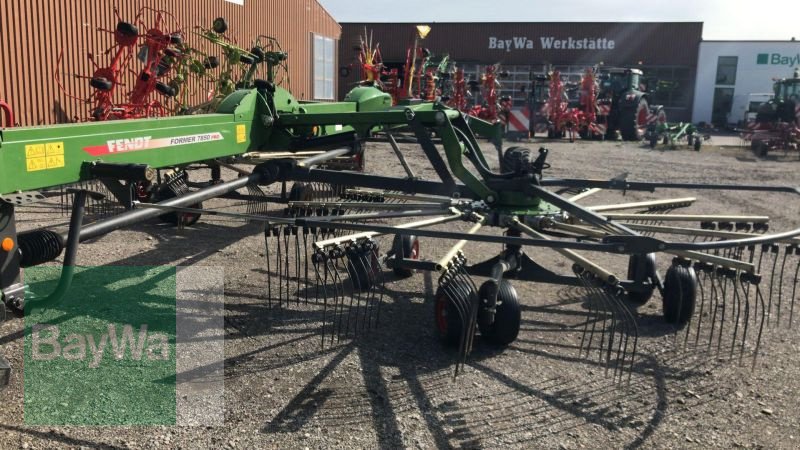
(153, 47)
(491, 108)
(777, 123)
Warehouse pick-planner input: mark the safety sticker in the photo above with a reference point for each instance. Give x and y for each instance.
(138, 144)
(44, 156)
(241, 134)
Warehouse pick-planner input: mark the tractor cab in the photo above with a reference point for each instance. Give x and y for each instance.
(617, 81)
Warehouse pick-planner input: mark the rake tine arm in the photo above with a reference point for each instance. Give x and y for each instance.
(625, 185)
(598, 271)
(674, 202)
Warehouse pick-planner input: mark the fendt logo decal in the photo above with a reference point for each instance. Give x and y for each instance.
(138, 144)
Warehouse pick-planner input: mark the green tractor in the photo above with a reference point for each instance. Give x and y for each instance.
(784, 106)
(624, 101)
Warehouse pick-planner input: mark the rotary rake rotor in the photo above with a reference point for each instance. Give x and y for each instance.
(727, 280)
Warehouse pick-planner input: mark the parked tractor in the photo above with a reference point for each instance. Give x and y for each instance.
(777, 124)
(624, 104)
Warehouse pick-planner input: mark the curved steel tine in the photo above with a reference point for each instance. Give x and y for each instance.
(454, 297)
(589, 318)
(297, 262)
(760, 299)
(737, 314)
(780, 281)
(474, 303)
(746, 293)
(616, 325)
(267, 237)
(773, 251)
(702, 279)
(622, 349)
(320, 285)
(794, 286)
(724, 296)
(341, 280)
(335, 282)
(355, 281)
(715, 299)
(307, 257)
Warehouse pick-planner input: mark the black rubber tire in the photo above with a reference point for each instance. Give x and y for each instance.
(640, 268)
(301, 192)
(220, 25)
(127, 29)
(517, 160)
(447, 323)
(176, 39)
(404, 247)
(505, 328)
(165, 89)
(172, 52)
(174, 217)
(762, 149)
(697, 144)
(628, 121)
(101, 84)
(680, 295)
(653, 141)
(247, 59)
(363, 273)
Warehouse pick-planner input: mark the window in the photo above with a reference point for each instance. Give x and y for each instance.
(323, 67)
(726, 70)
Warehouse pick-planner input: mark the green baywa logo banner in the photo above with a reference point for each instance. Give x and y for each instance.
(105, 354)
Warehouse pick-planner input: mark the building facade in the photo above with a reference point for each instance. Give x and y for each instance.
(664, 51)
(734, 76)
(35, 35)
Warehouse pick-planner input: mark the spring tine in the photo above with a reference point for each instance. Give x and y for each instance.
(455, 297)
(745, 281)
(473, 303)
(589, 318)
(279, 263)
(794, 286)
(723, 297)
(611, 300)
(305, 262)
(737, 313)
(631, 330)
(773, 249)
(786, 252)
(701, 280)
(381, 283)
(760, 299)
(297, 262)
(320, 258)
(350, 262)
(267, 236)
(715, 297)
(339, 282)
(336, 282)
(612, 310)
(287, 231)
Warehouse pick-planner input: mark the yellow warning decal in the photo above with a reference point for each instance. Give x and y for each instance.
(241, 134)
(44, 156)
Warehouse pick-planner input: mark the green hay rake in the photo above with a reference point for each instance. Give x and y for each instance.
(339, 230)
(672, 135)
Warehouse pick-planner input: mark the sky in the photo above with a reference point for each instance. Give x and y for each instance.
(723, 19)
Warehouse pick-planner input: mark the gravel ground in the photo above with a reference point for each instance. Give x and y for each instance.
(394, 387)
